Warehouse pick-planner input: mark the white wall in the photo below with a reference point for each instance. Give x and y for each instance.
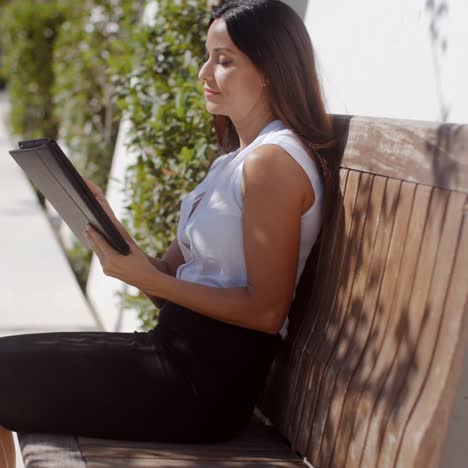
(387, 58)
(299, 6)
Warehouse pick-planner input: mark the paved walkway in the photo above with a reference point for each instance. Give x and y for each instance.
(37, 287)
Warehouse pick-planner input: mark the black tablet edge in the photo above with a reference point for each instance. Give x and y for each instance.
(31, 144)
(90, 199)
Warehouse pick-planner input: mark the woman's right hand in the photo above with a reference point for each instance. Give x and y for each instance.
(156, 262)
(100, 197)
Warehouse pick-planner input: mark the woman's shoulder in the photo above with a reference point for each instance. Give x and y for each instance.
(290, 142)
(286, 135)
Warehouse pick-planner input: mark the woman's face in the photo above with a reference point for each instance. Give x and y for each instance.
(233, 85)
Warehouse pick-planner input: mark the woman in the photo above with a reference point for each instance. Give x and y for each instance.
(226, 281)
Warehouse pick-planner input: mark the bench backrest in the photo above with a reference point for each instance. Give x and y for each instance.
(369, 372)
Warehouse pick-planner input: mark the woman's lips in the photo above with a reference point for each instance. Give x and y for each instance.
(210, 92)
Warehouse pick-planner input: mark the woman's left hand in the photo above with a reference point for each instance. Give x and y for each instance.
(134, 269)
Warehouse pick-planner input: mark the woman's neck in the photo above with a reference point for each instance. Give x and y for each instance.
(248, 129)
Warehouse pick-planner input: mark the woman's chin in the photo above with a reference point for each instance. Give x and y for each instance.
(214, 109)
(211, 106)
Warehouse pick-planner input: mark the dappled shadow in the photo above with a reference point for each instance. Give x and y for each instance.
(445, 168)
(349, 374)
(438, 10)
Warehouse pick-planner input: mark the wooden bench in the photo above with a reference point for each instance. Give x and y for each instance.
(374, 372)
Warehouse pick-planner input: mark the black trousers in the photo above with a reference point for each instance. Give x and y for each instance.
(190, 379)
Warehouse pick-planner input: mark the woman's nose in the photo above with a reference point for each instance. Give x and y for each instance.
(204, 71)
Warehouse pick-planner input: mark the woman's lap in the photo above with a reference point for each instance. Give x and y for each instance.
(190, 379)
(97, 384)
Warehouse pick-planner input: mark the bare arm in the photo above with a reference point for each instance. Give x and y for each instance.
(170, 260)
(271, 222)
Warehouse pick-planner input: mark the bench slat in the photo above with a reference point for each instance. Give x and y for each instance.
(337, 336)
(382, 214)
(408, 365)
(311, 345)
(448, 291)
(344, 374)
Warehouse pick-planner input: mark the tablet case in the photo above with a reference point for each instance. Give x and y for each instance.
(55, 176)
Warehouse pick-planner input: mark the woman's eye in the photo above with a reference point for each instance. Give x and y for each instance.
(222, 62)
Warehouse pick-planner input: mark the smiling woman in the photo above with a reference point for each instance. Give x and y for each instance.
(230, 275)
(233, 85)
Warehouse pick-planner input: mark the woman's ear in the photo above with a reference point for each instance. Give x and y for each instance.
(265, 80)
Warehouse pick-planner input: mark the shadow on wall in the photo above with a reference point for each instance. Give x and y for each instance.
(446, 171)
(438, 10)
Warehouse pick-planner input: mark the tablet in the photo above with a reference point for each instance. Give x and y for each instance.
(54, 175)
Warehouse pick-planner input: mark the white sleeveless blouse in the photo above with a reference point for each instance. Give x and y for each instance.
(211, 238)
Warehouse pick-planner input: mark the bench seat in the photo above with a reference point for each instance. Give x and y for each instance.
(259, 445)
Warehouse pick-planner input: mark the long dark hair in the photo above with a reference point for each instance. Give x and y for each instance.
(276, 40)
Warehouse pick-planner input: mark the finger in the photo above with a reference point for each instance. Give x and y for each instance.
(118, 224)
(93, 187)
(97, 192)
(123, 231)
(95, 247)
(101, 242)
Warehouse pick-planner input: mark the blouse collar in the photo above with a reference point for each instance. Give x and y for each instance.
(274, 125)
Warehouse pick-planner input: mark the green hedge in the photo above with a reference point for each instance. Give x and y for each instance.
(2, 74)
(28, 33)
(95, 33)
(172, 131)
(29, 30)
